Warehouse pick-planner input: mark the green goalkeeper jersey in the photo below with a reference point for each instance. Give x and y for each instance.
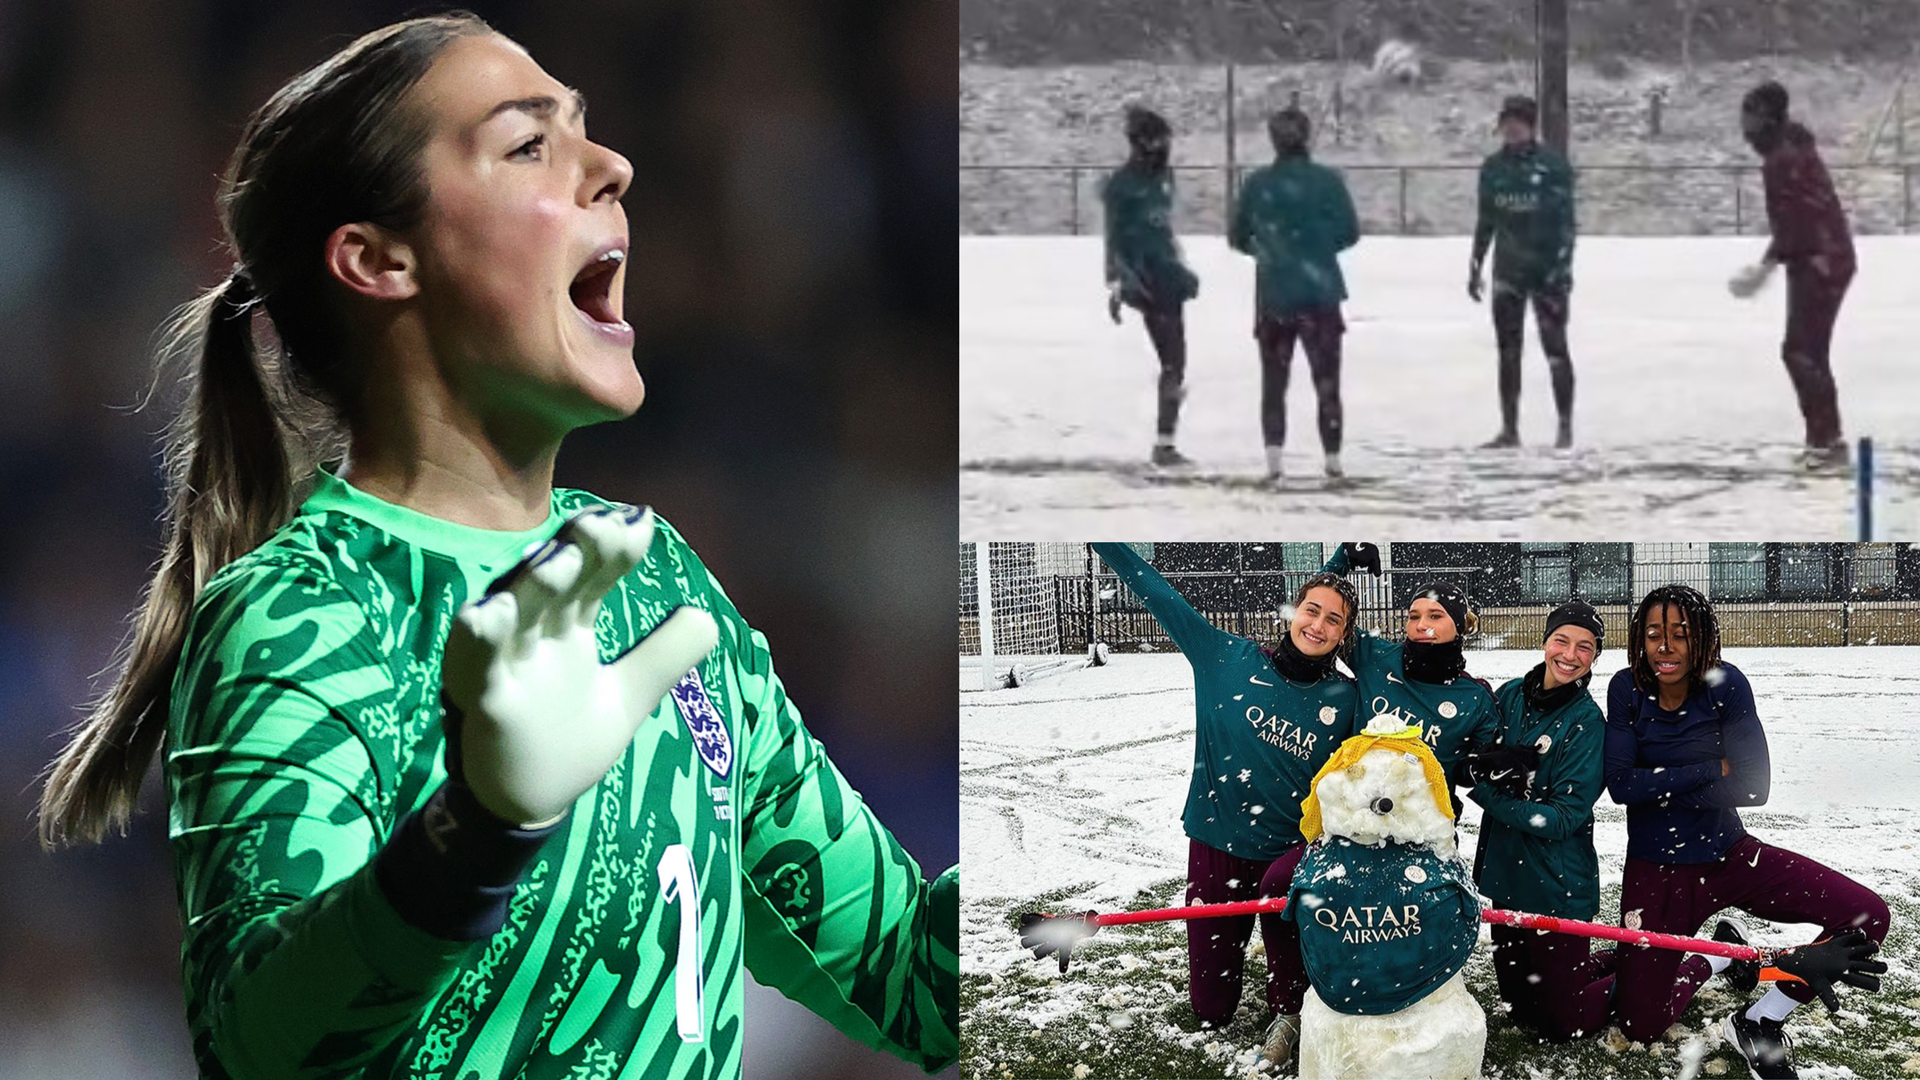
(305, 725)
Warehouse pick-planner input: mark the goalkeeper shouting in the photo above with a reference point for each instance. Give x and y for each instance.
(438, 810)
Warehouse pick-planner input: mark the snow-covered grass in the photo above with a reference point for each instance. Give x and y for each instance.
(1686, 421)
(1070, 797)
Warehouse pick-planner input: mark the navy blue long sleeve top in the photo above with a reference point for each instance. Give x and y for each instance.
(1664, 766)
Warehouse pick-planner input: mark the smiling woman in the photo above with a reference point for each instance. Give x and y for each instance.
(466, 772)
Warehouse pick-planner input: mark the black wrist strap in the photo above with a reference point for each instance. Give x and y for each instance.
(452, 865)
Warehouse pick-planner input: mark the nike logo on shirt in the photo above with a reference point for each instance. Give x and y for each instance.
(1256, 680)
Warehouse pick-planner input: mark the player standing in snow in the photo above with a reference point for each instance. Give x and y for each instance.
(1295, 217)
(1266, 719)
(1526, 214)
(1423, 680)
(1143, 264)
(1684, 749)
(437, 808)
(1536, 833)
(1811, 237)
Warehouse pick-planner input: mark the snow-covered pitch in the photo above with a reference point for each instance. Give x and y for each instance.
(1070, 798)
(1685, 418)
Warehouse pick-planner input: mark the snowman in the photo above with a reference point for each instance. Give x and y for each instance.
(1388, 916)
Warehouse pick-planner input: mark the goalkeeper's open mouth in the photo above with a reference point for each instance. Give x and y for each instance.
(596, 292)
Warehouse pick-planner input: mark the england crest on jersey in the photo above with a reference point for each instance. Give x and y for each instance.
(709, 732)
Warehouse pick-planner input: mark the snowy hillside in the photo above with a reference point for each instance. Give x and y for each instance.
(1070, 798)
(1057, 116)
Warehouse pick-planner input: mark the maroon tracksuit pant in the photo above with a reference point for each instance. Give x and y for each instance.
(1318, 331)
(1217, 948)
(1813, 304)
(1653, 986)
(1556, 984)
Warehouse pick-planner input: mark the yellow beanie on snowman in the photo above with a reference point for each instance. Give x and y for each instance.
(1382, 733)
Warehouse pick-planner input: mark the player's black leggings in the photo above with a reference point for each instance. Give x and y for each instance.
(1319, 332)
(1550, 310)
(1167, 329)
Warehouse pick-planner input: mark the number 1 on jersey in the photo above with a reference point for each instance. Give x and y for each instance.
(677, 885)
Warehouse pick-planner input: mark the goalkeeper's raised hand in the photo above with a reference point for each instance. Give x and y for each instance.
(534, 718)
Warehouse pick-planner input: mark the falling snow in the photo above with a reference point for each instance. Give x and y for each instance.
(1105, 828)
(1057, 404)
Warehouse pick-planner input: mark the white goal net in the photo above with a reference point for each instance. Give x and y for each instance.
(1025, 611)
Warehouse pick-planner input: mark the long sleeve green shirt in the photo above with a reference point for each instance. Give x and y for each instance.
(1536, 854)
(305, 724)
(1259, 737)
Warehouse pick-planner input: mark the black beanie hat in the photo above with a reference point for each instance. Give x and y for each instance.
(1767, 101)
(1145, 125)
(1519, 107)
(1577, 613)
(1290, 130)
(1448, 595)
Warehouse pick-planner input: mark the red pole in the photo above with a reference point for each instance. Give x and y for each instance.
(1619, 933)
(1522, 919)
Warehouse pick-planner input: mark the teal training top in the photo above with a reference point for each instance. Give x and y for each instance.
(1259, 737)
(1295, 217)
(1526, 213)
(1537, 854)
(1380, 927)
(1451, 715)
(305, 725)
(1142, 255)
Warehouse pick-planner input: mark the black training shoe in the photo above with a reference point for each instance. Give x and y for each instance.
(1506, 440)
(1764, 1044)
(1743, 974)
(1564, 440)
(1166, 457)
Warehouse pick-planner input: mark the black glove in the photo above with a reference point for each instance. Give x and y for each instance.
(1474, 287)
(1113, 302)
(1046, 934)
(1847, 958)
(1363, 557)
(1508, 768)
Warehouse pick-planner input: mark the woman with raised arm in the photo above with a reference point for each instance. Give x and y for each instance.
(1423, 679)
(1266, 717)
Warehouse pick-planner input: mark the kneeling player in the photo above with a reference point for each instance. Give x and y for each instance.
(1295, 217)
(1536, 836)
(1684, 748)
(1267, 717)
(1144, 268)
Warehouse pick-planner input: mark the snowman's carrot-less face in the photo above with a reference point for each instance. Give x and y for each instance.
(1319, 622)
(1428, 621)
(1383, 798)
(1570, 653)
(1668, 646)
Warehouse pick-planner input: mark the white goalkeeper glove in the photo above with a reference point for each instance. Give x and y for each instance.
(1749, 279)
(540, 718)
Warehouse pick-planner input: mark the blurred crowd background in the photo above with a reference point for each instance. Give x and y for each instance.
(793, 285)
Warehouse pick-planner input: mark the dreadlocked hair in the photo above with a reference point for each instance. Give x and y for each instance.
(1703, 635)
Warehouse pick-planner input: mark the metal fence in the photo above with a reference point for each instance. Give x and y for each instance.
(1764, 594)
(1438, 199)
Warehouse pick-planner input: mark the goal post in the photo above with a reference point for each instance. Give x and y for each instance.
(1020, 610)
